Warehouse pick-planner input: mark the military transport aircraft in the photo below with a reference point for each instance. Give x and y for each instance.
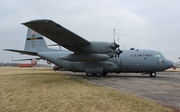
(93, 58)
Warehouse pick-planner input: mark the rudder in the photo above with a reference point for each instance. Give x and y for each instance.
(34, 41)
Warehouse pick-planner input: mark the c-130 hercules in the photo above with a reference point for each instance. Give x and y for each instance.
(93, 58)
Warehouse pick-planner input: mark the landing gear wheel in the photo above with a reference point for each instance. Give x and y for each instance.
(99, 75)
(152, 74)
(91, 75)
(88, 74)
(104, 74)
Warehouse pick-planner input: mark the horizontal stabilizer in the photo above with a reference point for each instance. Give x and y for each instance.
(22, 52)
(27, 59)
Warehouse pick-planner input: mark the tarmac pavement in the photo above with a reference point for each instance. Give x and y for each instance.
(164, 88)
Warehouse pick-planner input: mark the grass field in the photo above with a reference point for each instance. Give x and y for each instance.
(43, 90)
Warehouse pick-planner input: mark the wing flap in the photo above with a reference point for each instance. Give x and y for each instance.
(57, 33)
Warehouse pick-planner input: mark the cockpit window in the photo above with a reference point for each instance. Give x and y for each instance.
(161, 60)
(157, 54)
(160, 56)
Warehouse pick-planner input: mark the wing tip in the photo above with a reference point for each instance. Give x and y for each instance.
(37, 21)
(6, 49)
(21, 51)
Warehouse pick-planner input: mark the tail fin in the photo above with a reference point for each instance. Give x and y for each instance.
(34, 42)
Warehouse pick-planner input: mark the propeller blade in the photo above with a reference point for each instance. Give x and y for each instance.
(115, 48)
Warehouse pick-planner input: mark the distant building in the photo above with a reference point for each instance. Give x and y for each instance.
(177, 64)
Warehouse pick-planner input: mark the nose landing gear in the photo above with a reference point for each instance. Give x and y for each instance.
(152, 74)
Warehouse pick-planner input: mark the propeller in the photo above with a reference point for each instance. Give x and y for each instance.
(118, 51)
(114, 46)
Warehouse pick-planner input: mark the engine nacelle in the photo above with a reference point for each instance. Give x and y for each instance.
(86, 57)
(98, 47)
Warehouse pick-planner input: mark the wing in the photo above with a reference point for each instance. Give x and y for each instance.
(58, 34)
(22, 52)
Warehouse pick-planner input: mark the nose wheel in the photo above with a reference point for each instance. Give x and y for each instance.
(152, 74)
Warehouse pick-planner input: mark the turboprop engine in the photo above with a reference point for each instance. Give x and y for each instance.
(86, 57)
(102, 48)
(98, 47)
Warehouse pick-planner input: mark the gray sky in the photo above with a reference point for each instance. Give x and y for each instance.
(141, 24)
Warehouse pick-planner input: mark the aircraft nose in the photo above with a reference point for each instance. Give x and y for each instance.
(169, 64)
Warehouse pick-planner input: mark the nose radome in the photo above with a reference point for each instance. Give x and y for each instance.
(169, 64)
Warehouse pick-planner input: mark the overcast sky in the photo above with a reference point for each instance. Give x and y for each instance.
(141, 24)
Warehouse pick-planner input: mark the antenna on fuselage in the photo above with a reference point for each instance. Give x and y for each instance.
(118, 51)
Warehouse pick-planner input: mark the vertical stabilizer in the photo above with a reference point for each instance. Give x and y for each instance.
(34, 42)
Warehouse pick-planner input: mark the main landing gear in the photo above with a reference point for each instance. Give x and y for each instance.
(152, 74)
(99, 75)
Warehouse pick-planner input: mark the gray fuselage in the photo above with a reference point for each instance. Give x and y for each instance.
(129, 61)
